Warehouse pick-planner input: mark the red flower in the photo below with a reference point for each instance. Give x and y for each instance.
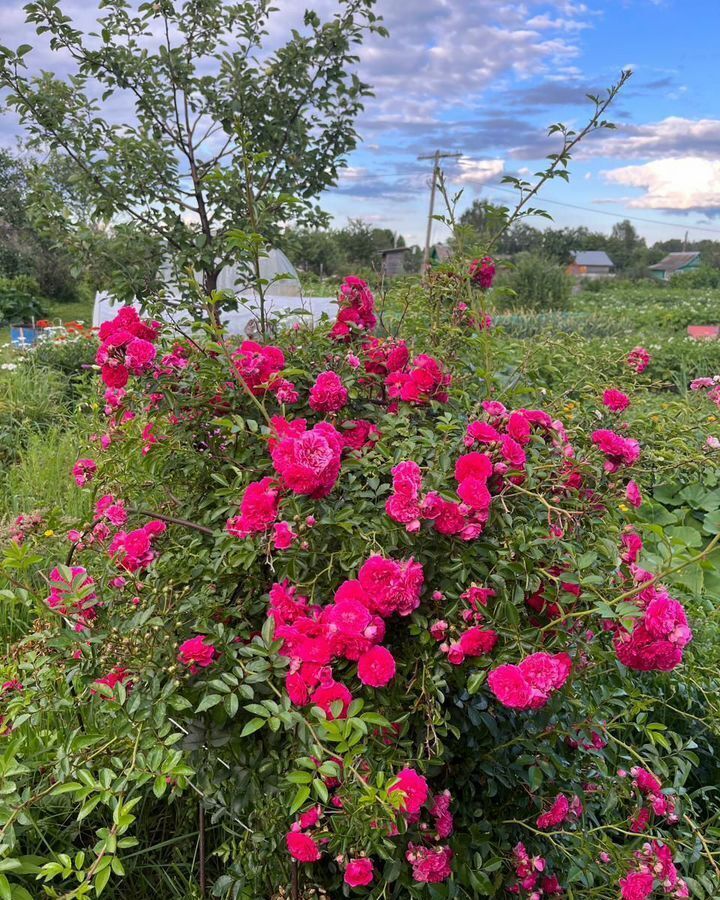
(633, 495)
(357, 306)
(376, 668)
(196, 654)
(359, 434)
(259, 366)
(477, 641)
(637, 886)
(302, 847)
(359, 872)
(258, 509)
(413, 788)
(283, 535)
(84, 471)
(330, 693)
(391, 586)
(556, 815)
(638, 359)
(328, 394)
(308, 462)
(619, 451)
(482, 272)
(616, 401)
(431, 865)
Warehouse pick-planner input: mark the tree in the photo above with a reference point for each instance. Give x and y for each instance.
(23, 250)
(224, 135)
(625, 246)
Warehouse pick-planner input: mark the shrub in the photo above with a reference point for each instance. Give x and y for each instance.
(702, 277)
(538, 283)
(20, 300)
(373, 627)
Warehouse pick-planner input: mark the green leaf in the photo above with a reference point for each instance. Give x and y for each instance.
(252, 726)
(303, 792)
(160, 785)
(101, 879)
(208, 701)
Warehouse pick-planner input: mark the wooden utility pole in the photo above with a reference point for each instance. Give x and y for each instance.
(436, 157)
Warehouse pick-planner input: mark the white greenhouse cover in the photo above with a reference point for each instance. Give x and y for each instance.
(282, 297)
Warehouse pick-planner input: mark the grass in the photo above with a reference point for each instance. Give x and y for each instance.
(77, 311)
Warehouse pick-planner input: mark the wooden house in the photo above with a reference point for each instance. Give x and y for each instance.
(674, 264)
(393, 261)
(591, 264)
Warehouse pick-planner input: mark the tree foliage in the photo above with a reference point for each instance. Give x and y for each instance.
(224, 133)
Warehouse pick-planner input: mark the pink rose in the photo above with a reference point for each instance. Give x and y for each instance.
(328, 393)
(376, 668)
(413, 789)
(633, 495)
(616, 401)
(359, 872)
(195, 653)
(302, 847)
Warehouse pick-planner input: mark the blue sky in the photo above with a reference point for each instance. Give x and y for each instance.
(485, 78)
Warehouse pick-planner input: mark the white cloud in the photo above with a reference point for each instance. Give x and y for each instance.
(679, 183)
(674, 136)
(478, 171)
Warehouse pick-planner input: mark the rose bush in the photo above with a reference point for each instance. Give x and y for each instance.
(378, 615)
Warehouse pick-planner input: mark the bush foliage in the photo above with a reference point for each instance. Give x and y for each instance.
(371, 612)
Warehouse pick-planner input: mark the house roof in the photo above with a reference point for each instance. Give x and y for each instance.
(592, 258)
(675, 261)
(394, 250)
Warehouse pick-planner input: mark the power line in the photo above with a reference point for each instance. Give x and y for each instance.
(603, 212)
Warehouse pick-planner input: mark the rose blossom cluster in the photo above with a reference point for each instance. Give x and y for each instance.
(133, 550)
(474, 641)
(618, 450)
(530, 878)
(482, 272)
(388, 369)
(638, 359)
(655, 869)
(72, 596)
(127, 347)
(357, 309)
(710, 385)
(430, 860)
(479, 475)
(260, 367)
(653, 801)
(423, 380)
(307, 462)
(84, 471)
(658, 638)
(110, 513)
(560, 812)
(328, 394)
(531, 683)
(352, 627)
(462, 317)
(23, 525)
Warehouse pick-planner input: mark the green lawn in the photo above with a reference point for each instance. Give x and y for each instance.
(78, 311)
